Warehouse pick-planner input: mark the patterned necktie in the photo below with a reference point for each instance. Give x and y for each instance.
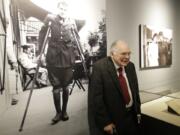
(124, 86)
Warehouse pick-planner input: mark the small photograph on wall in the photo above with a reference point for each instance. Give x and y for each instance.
(155, 46)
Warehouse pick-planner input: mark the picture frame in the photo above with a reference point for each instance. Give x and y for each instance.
(155, 47)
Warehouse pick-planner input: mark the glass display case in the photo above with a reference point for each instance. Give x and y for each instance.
(161, 112)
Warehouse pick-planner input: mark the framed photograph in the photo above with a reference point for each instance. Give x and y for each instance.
(155, 47)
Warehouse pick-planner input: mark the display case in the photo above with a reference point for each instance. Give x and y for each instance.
(161, 112)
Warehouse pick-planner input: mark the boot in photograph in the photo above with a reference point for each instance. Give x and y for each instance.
(65, 116)
(56, 119)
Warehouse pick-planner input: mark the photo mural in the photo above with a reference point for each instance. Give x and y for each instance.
(89, 27)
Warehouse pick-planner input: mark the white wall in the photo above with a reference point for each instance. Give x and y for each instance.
(123, 20)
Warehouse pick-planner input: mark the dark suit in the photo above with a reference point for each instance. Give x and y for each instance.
(105, 100)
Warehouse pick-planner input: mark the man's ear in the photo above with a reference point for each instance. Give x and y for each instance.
(111, 53)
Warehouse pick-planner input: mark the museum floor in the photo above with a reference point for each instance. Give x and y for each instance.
(41, 111)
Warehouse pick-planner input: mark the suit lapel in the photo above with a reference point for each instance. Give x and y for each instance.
(112, 72)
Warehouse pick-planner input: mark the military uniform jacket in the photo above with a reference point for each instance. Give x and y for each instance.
(60, 52)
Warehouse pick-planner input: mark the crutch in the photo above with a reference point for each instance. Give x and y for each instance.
(80, 52)
(35, 76)
(1, 86)
(16, 80)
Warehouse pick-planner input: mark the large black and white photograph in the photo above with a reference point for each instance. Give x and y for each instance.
(48, 48)
(155, 46)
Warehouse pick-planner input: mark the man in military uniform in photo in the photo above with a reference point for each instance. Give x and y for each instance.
(60, 57)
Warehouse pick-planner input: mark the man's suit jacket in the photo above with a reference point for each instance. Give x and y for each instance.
(105, 100)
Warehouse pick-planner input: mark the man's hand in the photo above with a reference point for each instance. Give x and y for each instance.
(109, 128)
(14, 65)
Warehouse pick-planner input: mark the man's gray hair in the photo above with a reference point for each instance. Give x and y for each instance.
(113, 45)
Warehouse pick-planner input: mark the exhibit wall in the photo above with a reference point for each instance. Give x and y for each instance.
(123, 20)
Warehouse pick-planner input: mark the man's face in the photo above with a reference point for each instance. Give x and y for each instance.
(27, 50)
(121, 54)
(62, 10)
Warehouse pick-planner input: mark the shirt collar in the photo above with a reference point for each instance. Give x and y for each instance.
(116, 65)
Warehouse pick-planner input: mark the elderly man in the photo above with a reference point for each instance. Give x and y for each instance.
(114, 103)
